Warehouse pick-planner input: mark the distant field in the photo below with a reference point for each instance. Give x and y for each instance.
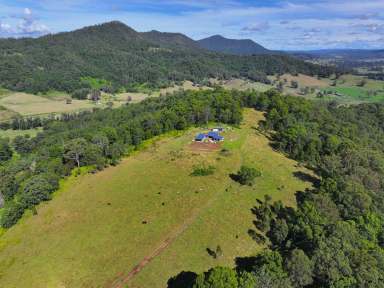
(240, 84)
(28, 104)
(304, 80)
(13, 133)
(92, 233)
(52, 102)
(347, 90)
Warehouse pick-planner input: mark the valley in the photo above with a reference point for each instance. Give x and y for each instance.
(136, 158)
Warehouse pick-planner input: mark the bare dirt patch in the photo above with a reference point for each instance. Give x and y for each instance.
(204, 146)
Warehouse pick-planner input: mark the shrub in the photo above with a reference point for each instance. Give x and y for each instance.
(5, 150)
(37, 189)
(202, 170)
(246, 175)
(11, 214)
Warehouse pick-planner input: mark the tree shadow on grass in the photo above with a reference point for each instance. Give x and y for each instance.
(307, 178)
(245, 263)
(184, 279)
(234, 177)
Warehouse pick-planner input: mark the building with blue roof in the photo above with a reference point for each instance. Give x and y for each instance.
(200, 137)
(215, 136)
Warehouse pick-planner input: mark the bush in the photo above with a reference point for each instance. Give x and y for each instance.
(202, 170)
(37, 189)
(5, 150)
(246, 175)
(11, 214)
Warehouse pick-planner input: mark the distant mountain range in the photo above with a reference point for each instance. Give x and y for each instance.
(233, 46)
(124, 58)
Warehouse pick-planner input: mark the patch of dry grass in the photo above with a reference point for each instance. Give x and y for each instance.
(28, 104)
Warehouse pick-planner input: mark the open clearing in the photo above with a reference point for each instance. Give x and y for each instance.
(92, 234)
(304, 80)
(28, 104)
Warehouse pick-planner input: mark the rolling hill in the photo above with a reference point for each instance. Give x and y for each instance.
(125, 58)
(233, 46)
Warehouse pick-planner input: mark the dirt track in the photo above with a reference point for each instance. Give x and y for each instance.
(123, 279)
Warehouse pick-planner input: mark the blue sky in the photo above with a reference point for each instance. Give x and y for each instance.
(287, 25)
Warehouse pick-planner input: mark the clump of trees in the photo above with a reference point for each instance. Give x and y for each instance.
(5, 150)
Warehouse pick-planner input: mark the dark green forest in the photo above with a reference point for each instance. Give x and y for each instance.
(333, 238)
(120, 55)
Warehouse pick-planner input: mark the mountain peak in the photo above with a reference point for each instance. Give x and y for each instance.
(109, 26)
(219, 43)
(168, 39)
(217, 36)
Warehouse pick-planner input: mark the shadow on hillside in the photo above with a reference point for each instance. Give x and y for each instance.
(307, 178)
(184, 279)
(245, 263)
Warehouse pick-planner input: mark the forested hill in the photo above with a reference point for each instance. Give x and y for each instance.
(170, 40)
(124, 57)
(233, 46)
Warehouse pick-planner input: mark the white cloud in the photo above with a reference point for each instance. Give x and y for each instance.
(27, 11)
(26, 25)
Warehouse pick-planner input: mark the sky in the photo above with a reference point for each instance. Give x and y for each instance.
(275, 24)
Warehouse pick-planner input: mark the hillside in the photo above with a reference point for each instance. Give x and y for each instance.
(125, 58)
(232, 46)
(130, 224)
(170, 40)
(104, 212)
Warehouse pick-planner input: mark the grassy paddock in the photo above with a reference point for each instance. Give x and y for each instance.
(28, 104)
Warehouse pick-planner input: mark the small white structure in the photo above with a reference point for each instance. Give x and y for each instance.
(217, 129)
